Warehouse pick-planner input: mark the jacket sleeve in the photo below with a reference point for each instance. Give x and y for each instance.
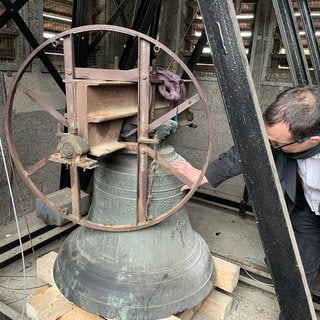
(226, 166)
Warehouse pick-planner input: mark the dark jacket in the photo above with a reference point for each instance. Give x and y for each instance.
(228, 165)
(223, 168)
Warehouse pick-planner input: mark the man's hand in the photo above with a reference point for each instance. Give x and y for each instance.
(189, 171)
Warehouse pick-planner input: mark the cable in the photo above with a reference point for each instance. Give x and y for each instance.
(17, 225)
(248, 273)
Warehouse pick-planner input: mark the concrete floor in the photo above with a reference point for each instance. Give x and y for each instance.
(235, 238)
(228, 235)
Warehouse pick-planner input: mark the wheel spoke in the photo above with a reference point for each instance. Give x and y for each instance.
(75, 191)
(174, 111)
(38, 165)
(43, 104)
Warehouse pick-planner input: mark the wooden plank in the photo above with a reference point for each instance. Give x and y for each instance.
(45, 267)
(227, 274)
(217, 306)
(188, 314)
(80, 314)
(47, 304)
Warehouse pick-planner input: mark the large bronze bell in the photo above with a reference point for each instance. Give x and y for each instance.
(145, 274)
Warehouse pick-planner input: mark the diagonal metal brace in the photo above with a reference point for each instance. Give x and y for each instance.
(12, 13)
(290, 36)
(311, 37)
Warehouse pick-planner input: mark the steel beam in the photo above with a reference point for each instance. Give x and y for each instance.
(290, 37)
(244, 115)
(311, 37)
(196, 54)
(147, 12)
(118, 12)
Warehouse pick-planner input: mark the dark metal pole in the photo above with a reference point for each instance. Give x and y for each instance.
(142, 22)
(196, 53)
(244, 115)
(119, 12)
(290, 37)
(311, 37)
(80, 17)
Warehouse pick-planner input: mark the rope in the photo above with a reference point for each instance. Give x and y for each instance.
(173, 87)
(16, 220)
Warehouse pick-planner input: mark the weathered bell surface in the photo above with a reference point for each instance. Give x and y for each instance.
(145, 274)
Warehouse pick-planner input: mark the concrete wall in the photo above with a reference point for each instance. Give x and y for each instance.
(34, 135)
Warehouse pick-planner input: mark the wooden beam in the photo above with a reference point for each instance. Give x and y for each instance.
(227, 274)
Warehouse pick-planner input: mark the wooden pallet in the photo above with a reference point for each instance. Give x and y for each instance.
(47, 303)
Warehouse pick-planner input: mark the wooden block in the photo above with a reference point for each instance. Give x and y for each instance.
(79, 314)
(47, 304)
(217, 306)
(188, 314)
(227, 274)
(45, 267)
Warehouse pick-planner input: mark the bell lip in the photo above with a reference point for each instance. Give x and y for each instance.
(78, 292)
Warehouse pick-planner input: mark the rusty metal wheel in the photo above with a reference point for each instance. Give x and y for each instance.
(75, 148)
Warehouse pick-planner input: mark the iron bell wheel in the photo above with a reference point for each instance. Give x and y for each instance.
(146, 273)
(31, 167)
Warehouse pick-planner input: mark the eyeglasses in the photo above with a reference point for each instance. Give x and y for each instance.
(290, 143)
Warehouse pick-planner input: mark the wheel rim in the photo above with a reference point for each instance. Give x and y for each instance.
(143, 150)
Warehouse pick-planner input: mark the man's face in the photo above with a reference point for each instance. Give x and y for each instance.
(279, 135)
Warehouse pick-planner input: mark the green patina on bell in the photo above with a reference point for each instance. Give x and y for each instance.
(145, 274)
